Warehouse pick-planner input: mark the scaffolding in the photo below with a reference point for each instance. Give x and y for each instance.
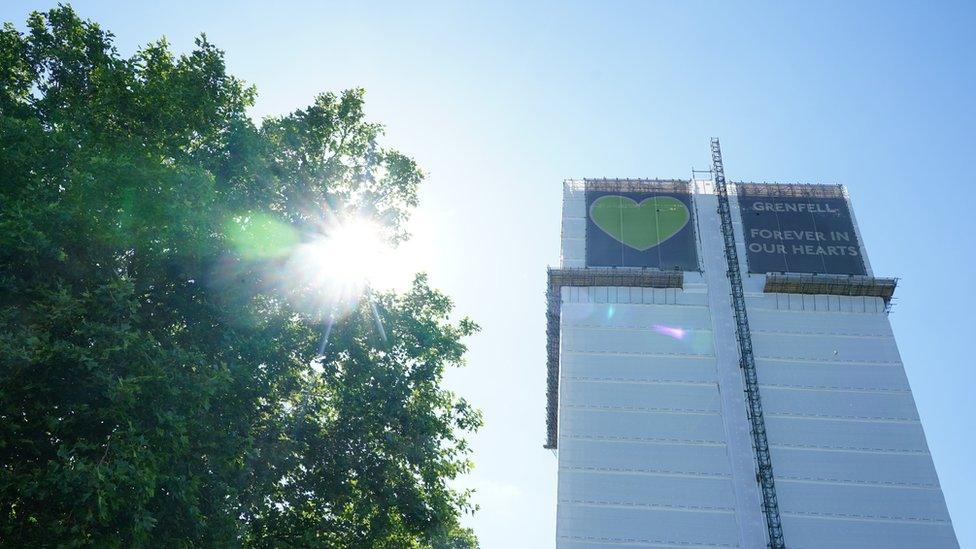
(842, 285)
(638, 185)
(747, 362)
(623, 277)
(798, 190)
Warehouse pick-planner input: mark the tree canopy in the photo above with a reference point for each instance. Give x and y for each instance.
(155, 378)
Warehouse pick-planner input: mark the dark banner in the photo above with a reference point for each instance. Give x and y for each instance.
(799, 234)
(640, 229)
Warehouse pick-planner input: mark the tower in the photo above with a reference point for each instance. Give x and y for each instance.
(722, 373)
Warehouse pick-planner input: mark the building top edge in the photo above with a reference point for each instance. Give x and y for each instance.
(772, 188)
(815, 190)
(630, 180)
(625, 185)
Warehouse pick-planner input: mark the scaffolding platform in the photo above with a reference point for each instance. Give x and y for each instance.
(854, 285)
(621, 277)
(797, 190)
(637, 185)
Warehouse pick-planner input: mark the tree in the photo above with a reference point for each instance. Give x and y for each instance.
(155, 380)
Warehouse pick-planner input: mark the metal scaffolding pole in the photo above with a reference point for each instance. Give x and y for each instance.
(746, 360)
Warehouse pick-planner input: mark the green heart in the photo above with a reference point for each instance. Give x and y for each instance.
(640, 226)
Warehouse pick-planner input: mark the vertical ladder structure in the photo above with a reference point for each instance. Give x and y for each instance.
(746, 360)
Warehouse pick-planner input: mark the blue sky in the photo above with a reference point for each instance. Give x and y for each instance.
(501, 102)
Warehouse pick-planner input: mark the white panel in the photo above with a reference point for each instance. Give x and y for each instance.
(814, 532)
(574, 227)
(647, 342)
(636, 368)
(636, 296)
(794, 302)
(685, 459)
(838, 404)
(637, 426)
(860, 501)
(691, 298)
(600, 488)
(828, 375)
(607, 543)
(639, 397)
(855, 467)
(661, 295)
(574, 203)
(648, 526)
(642, 317)
(826, 347)
(840, 434)
(819, 322)
(574, 248)
(599, 294)
(752, 284)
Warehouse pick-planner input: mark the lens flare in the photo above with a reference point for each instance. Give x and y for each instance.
(325, 266)
(677, 333)
(260, 236)
(329, 271)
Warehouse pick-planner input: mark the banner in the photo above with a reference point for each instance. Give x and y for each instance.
(640, 229)
(799, 229)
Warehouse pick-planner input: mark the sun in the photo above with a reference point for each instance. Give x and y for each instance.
(353, 253)
(350, 255)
